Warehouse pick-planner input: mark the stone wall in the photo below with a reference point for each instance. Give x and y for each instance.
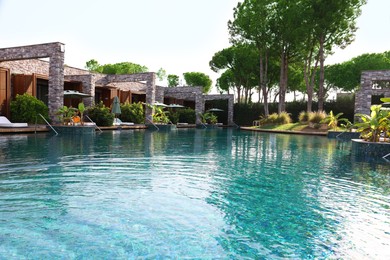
(55, 52)
(364, 94)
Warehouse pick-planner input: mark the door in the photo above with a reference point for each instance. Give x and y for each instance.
(5, 92)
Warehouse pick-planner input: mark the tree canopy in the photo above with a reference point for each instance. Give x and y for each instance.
(117, 68)
(294, 33)
(198, 79)
(346, 76)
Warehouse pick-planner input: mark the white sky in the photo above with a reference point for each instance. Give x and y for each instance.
(177, 35)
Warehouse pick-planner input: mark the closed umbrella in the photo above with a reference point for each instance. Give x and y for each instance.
(116, 108)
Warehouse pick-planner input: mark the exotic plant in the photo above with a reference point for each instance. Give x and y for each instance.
(160, 116)
(82, 109)
(101, 114)
(372, 126)
(26, 109)
(209, 118)
(333, 120)
(133, 113)
(65, 114)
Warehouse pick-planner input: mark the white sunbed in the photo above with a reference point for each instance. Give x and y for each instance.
(118, 122)
(4, 122)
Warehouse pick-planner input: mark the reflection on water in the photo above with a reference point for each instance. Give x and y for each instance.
(190, 193)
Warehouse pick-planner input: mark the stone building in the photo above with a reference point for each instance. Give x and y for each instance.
(373, 83)
(22, 70)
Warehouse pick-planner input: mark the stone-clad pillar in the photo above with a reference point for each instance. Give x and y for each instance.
(363, 95)
(199, 107)
(230, 110)
(56, 83)
(150, 97)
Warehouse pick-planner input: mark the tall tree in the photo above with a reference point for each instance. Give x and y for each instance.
(198, 79)
(117, 68)
(242, 62)
(334, 24)
(346, 76)
(173, 80)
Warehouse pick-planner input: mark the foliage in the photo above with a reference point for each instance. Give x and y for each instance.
(303, 117)
(241, 65)
(209, 118)
(160, 116)
(276, 119)
(65, 114)
(133, 113)
(333, 120)
(372, 126)
(117, 68)
(161, 74)
(173, 80)
(316, 117)
(81, 109)
(182, 115)
(101, 114)
(198, 79)
(25, 108)
(346, 75)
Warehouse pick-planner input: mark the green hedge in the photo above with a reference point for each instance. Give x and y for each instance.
(245, 114)
(25, 109)
(133, 113)
(101, 115)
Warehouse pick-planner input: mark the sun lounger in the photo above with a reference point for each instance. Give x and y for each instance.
(118, 122)
(4, 122)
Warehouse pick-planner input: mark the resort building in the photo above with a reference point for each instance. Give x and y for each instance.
(22, 70)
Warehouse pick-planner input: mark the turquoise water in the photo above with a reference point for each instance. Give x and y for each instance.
(190, 194)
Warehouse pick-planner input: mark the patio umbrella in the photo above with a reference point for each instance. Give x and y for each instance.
(214, 110)
(75, 94)
(159, 104)
(175, 106)
(116, 108)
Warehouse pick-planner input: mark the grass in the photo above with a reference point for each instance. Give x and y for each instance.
(291, 127)
(285, 127)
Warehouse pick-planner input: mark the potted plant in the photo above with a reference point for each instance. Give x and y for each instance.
(373, 128)
(65, 114)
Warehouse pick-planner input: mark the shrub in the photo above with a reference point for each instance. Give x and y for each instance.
(101, 115)
(277, 119)
(187, 116)
(25, 108)
(315, 118)
(133, 113)
(303, 117)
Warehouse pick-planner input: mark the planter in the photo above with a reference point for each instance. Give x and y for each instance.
(343, 135)
(370, 150)
(75, 130)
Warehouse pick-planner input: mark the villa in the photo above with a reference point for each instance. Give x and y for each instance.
(22, 70)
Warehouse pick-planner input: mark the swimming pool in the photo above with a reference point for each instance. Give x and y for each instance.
(190, 193)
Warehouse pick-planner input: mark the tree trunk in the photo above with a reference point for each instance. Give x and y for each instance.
(283, 82)
(263, 82)
(321, 94)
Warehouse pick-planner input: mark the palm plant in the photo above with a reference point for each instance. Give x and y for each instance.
(373, 125)
(333, 120)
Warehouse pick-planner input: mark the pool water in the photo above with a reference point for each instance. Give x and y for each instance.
(190, 194)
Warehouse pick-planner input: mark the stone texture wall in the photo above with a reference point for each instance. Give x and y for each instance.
(230, 99)
(364, 94)
(88, 82)
(55, 52)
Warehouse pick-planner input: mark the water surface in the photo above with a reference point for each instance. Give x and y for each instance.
(204, 194)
